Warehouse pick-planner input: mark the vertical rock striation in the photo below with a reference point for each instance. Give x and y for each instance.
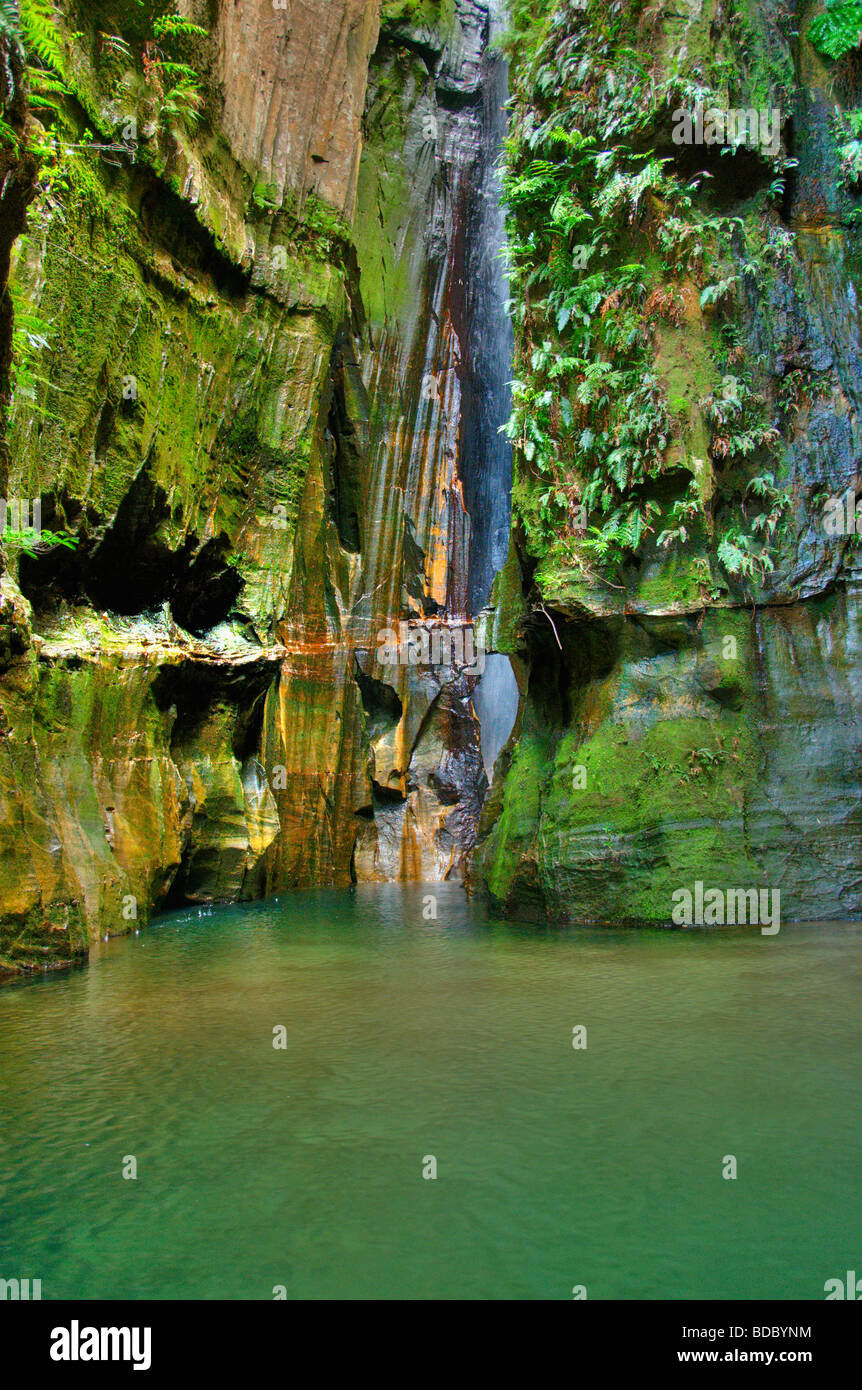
(243, 399)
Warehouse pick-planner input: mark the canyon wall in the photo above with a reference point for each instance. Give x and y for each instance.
(684, 624)
(239, 332)
(253, 364)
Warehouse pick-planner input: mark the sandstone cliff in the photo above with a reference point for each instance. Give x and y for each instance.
(239, 394)
(253, 362)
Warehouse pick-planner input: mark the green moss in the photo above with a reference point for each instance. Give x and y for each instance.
(390, 273)
(508, 859)
(504, 631)
(155, 368)
(437, 15)
(675, 579)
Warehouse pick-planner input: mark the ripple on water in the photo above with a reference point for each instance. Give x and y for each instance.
(453, 1038)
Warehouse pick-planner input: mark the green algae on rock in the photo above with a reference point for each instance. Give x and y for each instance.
(253, 361)
(225, 408)
(687, 355)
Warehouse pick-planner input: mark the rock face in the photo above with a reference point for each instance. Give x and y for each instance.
(253, 362)
(687, 648)
(239, 390)
(294, 79)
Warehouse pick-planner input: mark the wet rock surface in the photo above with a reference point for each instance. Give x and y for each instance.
(257, 334)
(673, 727)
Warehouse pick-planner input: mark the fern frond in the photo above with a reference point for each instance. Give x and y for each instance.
(173, 26)
(40, 34)
(839, 30)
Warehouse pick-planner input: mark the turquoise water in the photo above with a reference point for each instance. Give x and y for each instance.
(407, 1038)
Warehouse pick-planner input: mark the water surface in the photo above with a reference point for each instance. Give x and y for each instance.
(407, 1038)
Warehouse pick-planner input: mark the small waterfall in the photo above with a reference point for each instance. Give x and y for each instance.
(435, 371)
(496, 704)
(486, 455)
(486, 460)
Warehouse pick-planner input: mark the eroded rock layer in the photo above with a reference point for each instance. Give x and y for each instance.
(239, 392)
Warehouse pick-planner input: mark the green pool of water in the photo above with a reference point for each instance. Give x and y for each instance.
(408, 1038)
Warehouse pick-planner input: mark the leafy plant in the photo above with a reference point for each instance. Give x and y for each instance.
(720, 291)
(182, 99)
(10, 25)
(30, 338)
(705, 760)
(174, 26)
(175, 83)
(39, 33)
(623, 531)
(35, 543)
(112, 43)
(839, 30)
(9, 134)
(739, 554)
(848, 128)
(264, 197)
(30, 27)
(595, 410)
(680, 517)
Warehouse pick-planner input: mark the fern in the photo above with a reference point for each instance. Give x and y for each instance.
(8, 133)
(737, 554)
(839, 30)
(34, 543)
(45, 90)
(620, 533)
(10, 25)
(539, 182)
(183, 103)
(628, 189)
(173, 26)
(714, 294)
(39, 31)
(112, 43)
(567, 213)
(31, 338)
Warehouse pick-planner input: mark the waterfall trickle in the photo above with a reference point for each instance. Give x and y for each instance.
(486, 455)
(486, 462)
(496, 704)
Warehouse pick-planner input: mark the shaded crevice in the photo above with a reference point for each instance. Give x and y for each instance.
(131, 569)
(387, 796)
(566, 656)
(205, 590)
(382, 706)
(414, 571)
(732, 177)
(169, 222)
(344, 452)
(393, 39)
(193, 688)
